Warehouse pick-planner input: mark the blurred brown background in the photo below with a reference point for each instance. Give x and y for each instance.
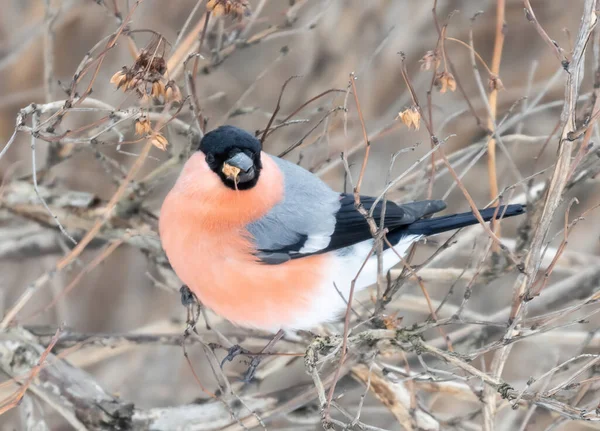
(327, 40)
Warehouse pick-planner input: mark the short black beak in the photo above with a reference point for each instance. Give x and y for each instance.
(241, 162)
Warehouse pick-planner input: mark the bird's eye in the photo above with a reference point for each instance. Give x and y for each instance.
(210, 159)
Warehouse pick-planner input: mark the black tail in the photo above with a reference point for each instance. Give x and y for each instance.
(436, 225)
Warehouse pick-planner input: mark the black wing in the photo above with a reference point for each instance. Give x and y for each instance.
(406, 219)
(352, 228)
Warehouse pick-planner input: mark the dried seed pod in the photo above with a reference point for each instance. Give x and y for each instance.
(494, 83)
(411, 117)
(142, 126)
(120, 78)
(158, 89)
(446, 81)
(172, 92)
(429, 60)
(235, 8)
(159, 141)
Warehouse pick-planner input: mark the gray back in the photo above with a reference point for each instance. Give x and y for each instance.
(304, 220)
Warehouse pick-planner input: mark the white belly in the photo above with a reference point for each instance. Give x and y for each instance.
(332, 302)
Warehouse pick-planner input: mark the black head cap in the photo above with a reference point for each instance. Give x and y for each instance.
(234, 155)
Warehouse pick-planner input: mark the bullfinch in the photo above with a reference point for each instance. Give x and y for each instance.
(266, 244)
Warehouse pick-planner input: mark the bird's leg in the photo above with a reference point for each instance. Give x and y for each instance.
(255, 361)
(193, 307)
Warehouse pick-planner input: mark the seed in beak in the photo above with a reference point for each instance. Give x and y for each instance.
(232, 172)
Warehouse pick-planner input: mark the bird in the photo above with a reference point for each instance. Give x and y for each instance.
(267, 245)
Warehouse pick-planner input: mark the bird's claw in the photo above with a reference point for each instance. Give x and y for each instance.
(251, 371)
(233, 352)
(187, 296)
(238, 350)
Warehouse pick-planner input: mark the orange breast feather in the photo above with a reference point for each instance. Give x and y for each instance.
(202, 231)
